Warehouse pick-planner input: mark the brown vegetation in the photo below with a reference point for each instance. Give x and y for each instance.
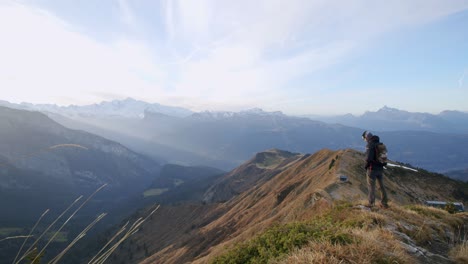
(303, 189)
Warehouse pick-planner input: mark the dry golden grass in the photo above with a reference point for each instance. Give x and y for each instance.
(423, 223)
(376, 246)
(370, 239)
(312, 197)
(374, 237)
(459, 253)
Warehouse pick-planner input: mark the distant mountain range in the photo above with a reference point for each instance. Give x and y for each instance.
(391, 119)
(384, 119)
(226, 139)
(129, 108)
(237, 136)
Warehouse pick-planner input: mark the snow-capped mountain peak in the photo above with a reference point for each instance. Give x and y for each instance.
(227, 114)
(259, 111)
(128, 108)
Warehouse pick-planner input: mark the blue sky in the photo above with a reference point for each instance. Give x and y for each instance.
(296, 56)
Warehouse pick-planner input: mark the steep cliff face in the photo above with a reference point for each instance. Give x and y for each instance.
(296, 191)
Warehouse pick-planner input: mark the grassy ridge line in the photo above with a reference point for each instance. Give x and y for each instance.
(346, 233)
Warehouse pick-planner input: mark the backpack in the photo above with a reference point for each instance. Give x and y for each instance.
(381, 153)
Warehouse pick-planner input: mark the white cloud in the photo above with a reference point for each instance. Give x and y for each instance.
(45, 60)
(221, 53)
(266, 44)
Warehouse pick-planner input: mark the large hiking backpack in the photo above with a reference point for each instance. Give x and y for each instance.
(381, 153)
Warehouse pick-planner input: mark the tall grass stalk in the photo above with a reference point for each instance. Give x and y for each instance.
(29, 250)
(66, 222)
(109, 242)
(29, 235)
(459, 242)
(78, 237)
(15, 237)
(99, 259)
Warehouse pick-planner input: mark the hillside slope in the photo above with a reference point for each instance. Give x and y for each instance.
(44, 165)
(254, 172)
(197, 233)
(32, 141)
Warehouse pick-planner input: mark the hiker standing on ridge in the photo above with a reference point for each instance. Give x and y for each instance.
(374, 170)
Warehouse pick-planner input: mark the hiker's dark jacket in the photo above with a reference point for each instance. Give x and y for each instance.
(371, 158)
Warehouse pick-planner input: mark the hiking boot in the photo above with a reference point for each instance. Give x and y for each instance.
(369, 205)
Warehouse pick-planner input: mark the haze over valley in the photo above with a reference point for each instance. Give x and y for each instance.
(232, 131)
(160, 154)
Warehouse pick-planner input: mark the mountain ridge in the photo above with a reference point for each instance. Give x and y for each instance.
(260, 168)
(392, 119)
(226, 140)
(312, 181)
(128, 107)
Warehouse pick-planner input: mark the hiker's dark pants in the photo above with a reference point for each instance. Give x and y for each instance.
(374, 174)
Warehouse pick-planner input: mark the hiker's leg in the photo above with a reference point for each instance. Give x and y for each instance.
(383, 193)
(371, 186)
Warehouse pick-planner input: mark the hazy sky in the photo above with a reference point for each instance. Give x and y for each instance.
(296, 56)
